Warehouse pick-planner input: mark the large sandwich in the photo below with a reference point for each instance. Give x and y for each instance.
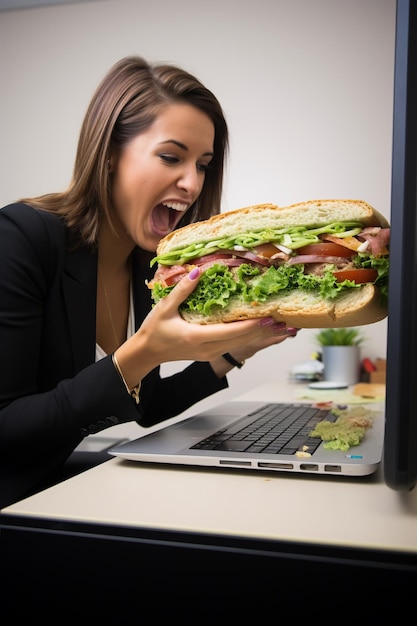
(315, 264)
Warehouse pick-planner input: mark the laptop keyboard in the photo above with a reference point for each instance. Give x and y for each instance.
(272, 429)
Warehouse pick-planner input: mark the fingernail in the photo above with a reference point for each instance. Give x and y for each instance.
(292, 332)
(195, 273)
(267, 321)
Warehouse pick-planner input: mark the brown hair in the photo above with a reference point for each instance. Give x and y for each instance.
(125, 104)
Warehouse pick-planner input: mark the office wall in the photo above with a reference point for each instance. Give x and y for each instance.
(306, 86)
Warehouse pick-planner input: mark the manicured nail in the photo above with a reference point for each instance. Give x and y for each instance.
(292, 332)
(195, 273)
(267, 321)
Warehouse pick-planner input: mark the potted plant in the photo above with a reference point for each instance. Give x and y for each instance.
(339, 337)
(340, 348)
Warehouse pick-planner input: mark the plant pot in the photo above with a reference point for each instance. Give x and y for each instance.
(341, 364)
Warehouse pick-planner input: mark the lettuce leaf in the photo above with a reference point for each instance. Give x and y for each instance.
(218, 285)
(379, 263)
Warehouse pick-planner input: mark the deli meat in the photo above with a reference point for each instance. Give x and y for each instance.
(377, 239)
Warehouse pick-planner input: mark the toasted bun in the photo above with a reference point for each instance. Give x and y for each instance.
(263, 216)
(305, 309)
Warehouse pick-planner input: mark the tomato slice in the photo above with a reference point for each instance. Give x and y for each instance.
(326, 249)
(358, 276)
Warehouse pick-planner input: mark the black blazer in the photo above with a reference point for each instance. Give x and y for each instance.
(52, 392)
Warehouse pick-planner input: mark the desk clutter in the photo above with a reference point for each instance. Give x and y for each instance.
(312, 370)
(362, 393)
(369, 390)
(377, 372)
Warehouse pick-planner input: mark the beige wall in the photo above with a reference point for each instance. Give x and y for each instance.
(306, 86)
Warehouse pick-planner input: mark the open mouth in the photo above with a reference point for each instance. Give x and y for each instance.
(165, 217)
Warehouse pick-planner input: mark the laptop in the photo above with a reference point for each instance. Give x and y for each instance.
(180, 443)
(263, 436)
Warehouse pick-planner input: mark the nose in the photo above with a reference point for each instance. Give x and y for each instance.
(191, 180)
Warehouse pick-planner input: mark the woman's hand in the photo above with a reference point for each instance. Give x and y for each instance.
(164, 336)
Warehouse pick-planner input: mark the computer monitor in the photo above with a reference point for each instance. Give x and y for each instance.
(400, 451)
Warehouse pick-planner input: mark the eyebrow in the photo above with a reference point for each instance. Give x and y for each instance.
(184, 147)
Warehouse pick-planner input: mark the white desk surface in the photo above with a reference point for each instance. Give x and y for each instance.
(333, 511)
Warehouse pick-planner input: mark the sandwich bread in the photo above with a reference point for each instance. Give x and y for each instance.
(237, 237)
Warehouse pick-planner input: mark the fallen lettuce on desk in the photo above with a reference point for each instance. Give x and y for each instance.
(348, 430)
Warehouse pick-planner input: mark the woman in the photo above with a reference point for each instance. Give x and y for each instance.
(81, 345)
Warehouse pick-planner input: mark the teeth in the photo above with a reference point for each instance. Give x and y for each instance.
(177, 206)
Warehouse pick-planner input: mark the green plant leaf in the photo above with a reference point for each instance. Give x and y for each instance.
(339, 337)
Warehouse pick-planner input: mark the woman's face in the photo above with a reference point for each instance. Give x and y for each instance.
(160, 173)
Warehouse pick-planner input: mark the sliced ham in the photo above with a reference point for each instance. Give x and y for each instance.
(169, 275)
(377, 239)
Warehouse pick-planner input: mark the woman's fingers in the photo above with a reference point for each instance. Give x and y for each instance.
(220, 331)
(204, 342)
(183, 288)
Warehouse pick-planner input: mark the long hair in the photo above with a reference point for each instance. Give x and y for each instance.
(125, 104)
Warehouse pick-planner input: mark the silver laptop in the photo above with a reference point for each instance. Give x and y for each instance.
(263, 436)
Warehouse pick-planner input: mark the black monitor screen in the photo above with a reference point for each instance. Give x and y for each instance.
(400, 452)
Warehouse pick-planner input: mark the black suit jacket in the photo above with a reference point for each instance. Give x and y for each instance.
(52, 392)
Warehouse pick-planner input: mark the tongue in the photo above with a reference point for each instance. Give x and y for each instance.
(160, 219)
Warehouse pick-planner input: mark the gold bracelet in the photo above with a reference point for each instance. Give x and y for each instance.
(134, 393)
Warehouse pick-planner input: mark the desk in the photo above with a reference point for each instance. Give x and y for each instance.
(206, 531)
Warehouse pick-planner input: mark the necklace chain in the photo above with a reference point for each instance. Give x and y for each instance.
(108, 307)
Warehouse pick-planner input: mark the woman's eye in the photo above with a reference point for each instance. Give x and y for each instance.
(169, 158)
(172, 159)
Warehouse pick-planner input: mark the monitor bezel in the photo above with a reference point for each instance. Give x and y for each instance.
(400, 449)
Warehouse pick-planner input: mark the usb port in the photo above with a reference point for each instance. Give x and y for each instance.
(309, 467)
(332, 468)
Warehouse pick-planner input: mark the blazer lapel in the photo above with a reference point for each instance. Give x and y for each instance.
(141, 272)
(80, 288)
